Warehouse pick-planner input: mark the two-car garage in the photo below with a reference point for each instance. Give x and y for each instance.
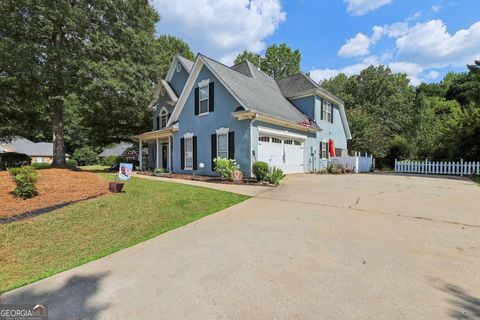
(282, 149)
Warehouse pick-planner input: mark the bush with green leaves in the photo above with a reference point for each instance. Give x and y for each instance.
(41, 165)
(110, 161)
(226, 167)
(25, 179)
(260, 170)
(85, 156)
(159, 171)
(275, 174)
(72, 163)
(14, 160)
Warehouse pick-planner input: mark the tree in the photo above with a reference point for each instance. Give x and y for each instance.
(166, 48)
(253, 57)
(85, 156)
(380, 110)
(279, 61)
(97, 53)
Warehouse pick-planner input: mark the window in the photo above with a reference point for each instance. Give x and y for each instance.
(222, 146)
(276, 140)
(203, 98)
(264, 139)
(163, 119)
(297, 143)
(288, 142)
(323, 150)
(327, 111)
(189, 153)
(179, 67)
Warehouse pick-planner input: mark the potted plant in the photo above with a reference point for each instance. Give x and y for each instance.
(115, 186)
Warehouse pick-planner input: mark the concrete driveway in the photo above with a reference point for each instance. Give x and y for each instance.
(317, 247)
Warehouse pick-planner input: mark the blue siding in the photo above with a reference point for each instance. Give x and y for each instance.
(306, 105)
(334, 130)
(204, 126)
(178, 80)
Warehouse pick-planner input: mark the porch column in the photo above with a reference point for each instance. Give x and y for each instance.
(168, 156)
(140, 155)
(158, 153)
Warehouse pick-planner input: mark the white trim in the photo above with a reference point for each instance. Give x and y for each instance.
(173, 67)
(222, 130)
(222, 134)
(250, 114)
(204, 82)
(169, 90)
(188, 135)
(280, 133)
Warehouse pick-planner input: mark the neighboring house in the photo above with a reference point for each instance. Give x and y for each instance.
(205, 109)
(39, 152)
(124, 150)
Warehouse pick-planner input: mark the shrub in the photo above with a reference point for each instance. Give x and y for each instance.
(85, 156)
(72, 163)
(110, 161)
(159, 171)
(14, 160)
(225, 167)
(335, 168)
(25, 178)
(275, 175)
(41, 165)
(260, 170)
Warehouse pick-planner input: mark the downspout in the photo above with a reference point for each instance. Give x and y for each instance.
(251, 145)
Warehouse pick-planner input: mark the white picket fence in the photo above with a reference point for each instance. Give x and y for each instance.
(459, 168)
(356, 163)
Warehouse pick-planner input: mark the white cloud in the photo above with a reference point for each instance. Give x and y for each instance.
(222, 28)
(362, 7)
(433, 75)
(412, 70)
(360, 44)
(436, 8)
(325, 74)
(430, 45)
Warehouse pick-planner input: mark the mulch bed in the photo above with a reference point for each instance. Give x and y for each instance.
(56, 188)
(212, 179)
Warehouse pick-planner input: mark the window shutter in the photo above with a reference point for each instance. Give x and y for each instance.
(197, 101)
(158, 122)
(321, 109)
(331, 117)
(214, 150)
(211, 97)
(182, 153)
(231, 145)
(194, 141)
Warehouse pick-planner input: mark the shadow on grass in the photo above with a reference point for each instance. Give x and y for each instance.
(71, 301)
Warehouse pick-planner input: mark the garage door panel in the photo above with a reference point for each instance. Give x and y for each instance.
(287, 155)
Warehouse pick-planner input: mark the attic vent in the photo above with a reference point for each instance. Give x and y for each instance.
(179, 67)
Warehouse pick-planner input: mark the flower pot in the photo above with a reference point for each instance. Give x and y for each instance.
(115, 186)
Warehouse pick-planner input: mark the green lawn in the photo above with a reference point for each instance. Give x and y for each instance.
(71, 236)
(96, 167)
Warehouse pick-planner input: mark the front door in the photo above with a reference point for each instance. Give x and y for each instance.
(164, 156)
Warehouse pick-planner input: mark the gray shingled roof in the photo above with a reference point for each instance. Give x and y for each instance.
(187, 63)
(117, 150)
(243, 68)
(23, 145)
(295, 84)
(259, 93)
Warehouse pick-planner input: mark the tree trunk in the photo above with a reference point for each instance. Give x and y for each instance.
(57, 129)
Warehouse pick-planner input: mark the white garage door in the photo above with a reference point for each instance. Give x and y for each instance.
(287, 154)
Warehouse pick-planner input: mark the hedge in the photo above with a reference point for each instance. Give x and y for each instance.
(14, 160)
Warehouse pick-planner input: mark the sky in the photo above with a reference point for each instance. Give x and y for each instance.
(424, 38)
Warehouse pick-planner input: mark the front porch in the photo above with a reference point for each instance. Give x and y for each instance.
(160, 147)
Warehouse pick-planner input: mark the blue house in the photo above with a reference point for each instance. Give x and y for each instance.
(205, 109)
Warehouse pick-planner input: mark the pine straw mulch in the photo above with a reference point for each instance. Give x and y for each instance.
(55, 187)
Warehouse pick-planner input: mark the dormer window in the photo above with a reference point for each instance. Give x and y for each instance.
(203, 98)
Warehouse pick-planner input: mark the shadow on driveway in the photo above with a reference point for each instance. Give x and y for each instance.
(71, 301)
